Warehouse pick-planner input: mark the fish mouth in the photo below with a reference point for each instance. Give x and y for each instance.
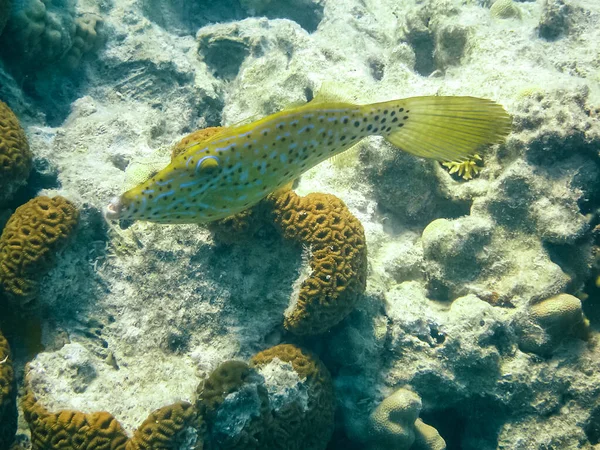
(114, 209)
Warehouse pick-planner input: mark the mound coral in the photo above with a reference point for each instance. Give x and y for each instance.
(307, 422)
(15, 157)
(551, 321)
(392, 424)
(86, 39)
(8, 396)
(427, 437)
(338, 261)
(32, 236)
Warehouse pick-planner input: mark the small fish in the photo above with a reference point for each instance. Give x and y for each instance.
(239, 166)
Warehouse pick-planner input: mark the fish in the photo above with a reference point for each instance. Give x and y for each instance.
(240, 165)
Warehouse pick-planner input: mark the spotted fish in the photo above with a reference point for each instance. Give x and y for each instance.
(237, 167)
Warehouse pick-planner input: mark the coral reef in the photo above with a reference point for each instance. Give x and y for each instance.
(8, 396)
(551, 321)
(338, 258)
(464, 169)
(29, 242)
(15, 156)
(86, 38)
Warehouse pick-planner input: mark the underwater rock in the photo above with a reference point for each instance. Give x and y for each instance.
(555, 19)
(15, 156)
(307, 13)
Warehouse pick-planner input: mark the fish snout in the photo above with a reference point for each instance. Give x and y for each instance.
(114, 209)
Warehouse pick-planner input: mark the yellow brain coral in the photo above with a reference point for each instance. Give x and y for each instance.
(164, 429)
(237, 379)
(8, 396)
(67, 430)
(297, 426)
(33, 234)
(15, 157)
(338, 258)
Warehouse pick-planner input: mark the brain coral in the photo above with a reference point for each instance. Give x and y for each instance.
(15, 157)
(338, 262)
(8, 396)
(33, 234)
(297, 424)
(232, 408)
(69, 430)
(164, 429)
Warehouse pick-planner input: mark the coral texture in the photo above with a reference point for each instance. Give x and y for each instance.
(8, 396)
(71, 429)
(15, 157)
(427, 437)
(32, 236)
(309, 427)
(505, 9)
(86, 39)
(232, 406)
(338, 260)
(392, 424)
(164, 428)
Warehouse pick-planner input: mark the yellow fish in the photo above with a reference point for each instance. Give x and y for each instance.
(237, 167)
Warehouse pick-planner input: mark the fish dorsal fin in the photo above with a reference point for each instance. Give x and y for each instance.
(332, 92)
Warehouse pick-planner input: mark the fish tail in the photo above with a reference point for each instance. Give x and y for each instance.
(444, 128)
